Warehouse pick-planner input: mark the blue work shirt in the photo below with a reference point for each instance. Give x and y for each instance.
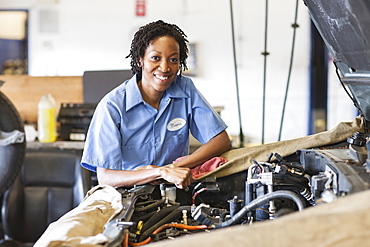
(126, 133)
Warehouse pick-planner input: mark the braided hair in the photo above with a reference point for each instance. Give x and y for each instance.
(148, 33)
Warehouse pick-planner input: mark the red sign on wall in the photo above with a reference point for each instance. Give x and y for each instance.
(140, 8)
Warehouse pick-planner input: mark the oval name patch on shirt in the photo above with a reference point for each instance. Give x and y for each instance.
(176, 124)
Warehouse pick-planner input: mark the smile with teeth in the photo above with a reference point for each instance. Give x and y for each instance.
(162, 78)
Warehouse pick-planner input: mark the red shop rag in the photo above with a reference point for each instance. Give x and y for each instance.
(206, 167)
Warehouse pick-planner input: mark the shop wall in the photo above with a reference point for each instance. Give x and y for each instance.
(26, 91)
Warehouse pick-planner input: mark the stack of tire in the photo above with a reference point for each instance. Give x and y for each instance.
(12, 155)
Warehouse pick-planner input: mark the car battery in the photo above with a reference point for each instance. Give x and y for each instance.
(74, 120)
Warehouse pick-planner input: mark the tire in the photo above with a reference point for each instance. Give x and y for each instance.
(11, 156)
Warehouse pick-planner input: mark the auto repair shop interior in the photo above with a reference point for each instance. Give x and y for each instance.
(290, 79)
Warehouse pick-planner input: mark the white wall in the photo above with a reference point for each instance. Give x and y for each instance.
(96, 35)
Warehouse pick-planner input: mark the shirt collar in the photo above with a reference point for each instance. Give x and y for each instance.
(133, 95)
(175, 91)
(135, 98)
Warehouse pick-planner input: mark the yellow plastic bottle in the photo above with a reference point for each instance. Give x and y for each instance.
(46, 121)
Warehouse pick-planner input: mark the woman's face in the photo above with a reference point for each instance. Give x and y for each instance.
(160, 64)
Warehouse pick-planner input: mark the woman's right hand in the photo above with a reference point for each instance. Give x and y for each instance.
(180, 176)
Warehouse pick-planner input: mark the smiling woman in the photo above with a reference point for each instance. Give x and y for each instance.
(141, 127)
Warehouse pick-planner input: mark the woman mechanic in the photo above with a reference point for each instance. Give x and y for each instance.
(142, 126)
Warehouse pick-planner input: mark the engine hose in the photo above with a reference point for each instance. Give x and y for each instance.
(157, 217)
(174, 215)
(161, 228)
(150, 206)
(144, 217)
(125, 240)
(260, 201)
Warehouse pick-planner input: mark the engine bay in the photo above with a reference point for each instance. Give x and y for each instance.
(266, 191)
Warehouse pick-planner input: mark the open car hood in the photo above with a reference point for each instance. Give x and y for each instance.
(344, 27)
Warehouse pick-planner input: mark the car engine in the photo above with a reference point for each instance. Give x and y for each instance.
(267, 190)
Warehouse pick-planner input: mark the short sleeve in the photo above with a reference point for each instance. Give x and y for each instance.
(102, 147)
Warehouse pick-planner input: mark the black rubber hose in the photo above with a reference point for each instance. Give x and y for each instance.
(262, 200)
(174, 215)
(157, 217)
(150, 206)
(144, 217)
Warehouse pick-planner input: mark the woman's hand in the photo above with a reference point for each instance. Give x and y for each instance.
(180, 176)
